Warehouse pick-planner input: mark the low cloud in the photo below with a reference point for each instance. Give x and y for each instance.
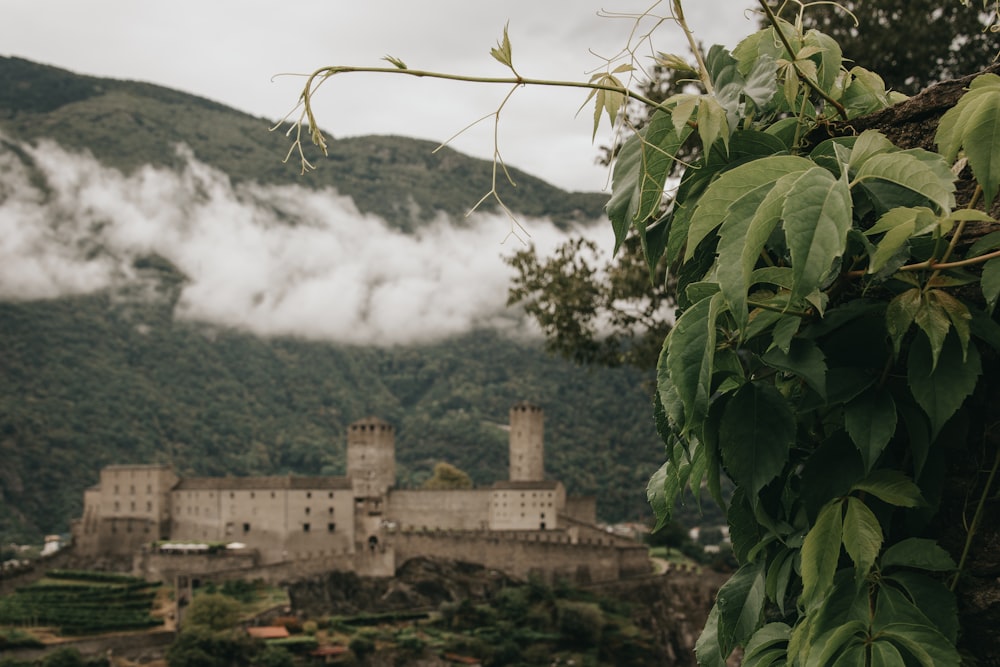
(274, 260)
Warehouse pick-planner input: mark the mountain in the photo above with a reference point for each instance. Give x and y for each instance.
(127, 125)
(171, 292)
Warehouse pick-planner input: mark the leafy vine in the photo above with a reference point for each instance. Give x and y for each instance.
(832, 326)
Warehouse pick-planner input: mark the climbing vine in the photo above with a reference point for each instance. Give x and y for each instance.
(834, 317)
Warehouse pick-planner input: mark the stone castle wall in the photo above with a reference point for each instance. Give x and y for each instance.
(552, 556)
(453, 509)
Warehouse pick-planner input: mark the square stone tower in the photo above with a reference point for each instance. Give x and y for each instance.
(371, 457)
(527, 440)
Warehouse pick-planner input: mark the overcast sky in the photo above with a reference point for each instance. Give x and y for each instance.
(229, 50)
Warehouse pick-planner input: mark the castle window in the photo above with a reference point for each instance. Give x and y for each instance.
(330, 527)
(253, 495)
(149, 488)
(305, 528)
(330, 495)
(149, 506)
(272, 494)
(307, 511)
(116, 505)
(246, 528)
(330, 511)
(131, 489)
(309, 494)
(116, 489)
(232, 495)
(133, 506)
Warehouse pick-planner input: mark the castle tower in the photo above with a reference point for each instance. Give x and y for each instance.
(527, 437)
(371, 457)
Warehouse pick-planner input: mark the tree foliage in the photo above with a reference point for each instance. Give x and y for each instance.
(593, 310)
(214, 611)
(447, 476)
(911, 44)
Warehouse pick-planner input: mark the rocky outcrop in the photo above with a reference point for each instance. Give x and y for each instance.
(420, 583)
(671, 608)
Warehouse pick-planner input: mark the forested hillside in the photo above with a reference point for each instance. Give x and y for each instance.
(91, 381)
(136, 367)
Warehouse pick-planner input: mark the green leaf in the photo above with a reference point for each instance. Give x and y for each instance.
(894, 240)
(689, 358)
(820, 553)
(862, 535)
(846, 637)
(940, 390)
(974, 124)
(868, 144)
(984, 244)
(804, 359)
(756, 431)
(957, 312)
(730, 187)
(865, 93)
(779, 575)
(502, 50)
(900, 314)
(870, 420)
(884, 654)
(914, 170)
(740, 603)
(817, 216)
(926, 644)
(934, 321)
(712, 123)
(744, 233)
(766, 640)
(396, 62)
(626, 186)
(659, 148)
(891, 486)
(707, 648)
(827, 57)
(661, 492)
(990, 284)
(932, 597)
(920, 553)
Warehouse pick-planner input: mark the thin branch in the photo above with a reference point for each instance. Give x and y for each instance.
(841, 111)
(320, 76)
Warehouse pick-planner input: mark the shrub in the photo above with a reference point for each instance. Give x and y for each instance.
(580, 623)
(213, 611)
(361, 646)
(63, 657)
(274, 656)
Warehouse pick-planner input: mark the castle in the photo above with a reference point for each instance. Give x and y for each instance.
(275, 526)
